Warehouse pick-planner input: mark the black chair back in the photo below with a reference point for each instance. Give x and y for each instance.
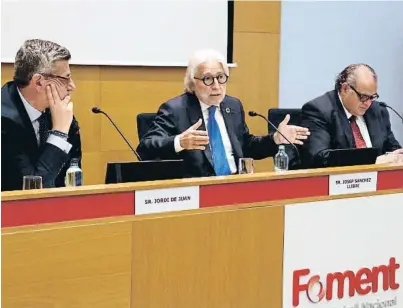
(277, 115)
(144, 121)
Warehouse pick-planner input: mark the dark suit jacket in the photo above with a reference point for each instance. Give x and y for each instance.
(179, 113)
(330, 129)
(20, 153)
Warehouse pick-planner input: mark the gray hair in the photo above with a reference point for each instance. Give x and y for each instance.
(348, 75)
(37, 56)
(198, 58)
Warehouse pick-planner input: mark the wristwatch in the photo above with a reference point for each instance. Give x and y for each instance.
(60, 134)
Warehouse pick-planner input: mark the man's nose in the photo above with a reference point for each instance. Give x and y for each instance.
(72, 85)
(216, 84)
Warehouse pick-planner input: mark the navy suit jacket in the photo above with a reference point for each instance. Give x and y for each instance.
(20, 153)
(181, 112)
(330, 129)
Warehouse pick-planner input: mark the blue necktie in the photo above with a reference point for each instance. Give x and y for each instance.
(220, 162)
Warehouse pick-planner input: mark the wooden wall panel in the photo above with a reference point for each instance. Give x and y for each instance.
(77, 266)
(7, 73)
(257, 16)
(124, 92)
(216, 260)
(86, 96)
(96, 162)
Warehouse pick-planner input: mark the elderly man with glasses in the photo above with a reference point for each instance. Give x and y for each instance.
(206, 128)
(349, 117)
(39, 134)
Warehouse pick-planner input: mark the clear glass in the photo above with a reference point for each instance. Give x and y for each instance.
(281, 160)
(74, 175)
(31, 182)
(246, 165)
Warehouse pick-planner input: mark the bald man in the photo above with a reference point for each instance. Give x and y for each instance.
(349, 117)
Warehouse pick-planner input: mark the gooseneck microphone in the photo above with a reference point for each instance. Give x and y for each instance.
(387, 106)
(255, 114)
(97, 110)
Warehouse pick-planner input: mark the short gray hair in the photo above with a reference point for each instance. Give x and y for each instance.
(348, 75)
(37, 56)
(198, 58)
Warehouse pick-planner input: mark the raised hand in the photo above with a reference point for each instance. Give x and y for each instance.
(193, 139)
(293, 133)
(60, 109)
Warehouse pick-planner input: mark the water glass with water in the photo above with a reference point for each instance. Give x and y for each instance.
(31, 182)
(246, 165)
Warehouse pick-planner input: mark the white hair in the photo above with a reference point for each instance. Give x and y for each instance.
(199, 57)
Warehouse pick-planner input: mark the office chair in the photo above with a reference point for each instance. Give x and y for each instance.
(144, 121)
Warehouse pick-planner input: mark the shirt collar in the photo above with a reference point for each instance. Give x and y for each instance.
(348, 114)
(205, 107)
(33, 113)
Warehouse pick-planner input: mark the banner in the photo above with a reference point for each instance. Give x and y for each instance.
(345, 253)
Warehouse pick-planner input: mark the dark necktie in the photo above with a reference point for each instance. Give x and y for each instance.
(44, 126)
(358, 138)
(220, 162)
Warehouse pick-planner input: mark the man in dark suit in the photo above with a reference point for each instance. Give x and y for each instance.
(179, 130)
(348, 117)
(39, 134)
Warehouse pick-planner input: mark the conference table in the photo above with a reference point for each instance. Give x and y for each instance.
(305, 238)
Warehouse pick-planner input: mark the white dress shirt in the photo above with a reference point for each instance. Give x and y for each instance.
(224, 134)
(34, 115)
(361, 125)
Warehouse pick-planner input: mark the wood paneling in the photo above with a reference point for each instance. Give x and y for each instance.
(83, 265)
(222, 259)
(86, 96)
(257, 16)
(123, 92)
(7, 73)
(209, 258)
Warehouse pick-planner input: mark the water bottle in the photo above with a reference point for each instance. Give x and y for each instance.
(281, 160)
(74, 175)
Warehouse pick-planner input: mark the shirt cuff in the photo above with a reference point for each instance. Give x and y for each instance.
(177, 144)
(60, 143)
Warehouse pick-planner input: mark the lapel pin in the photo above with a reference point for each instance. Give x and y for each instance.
(227, 110)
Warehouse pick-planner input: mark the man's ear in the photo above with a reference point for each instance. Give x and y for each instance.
(345, 86)
(192, 87)
(37, 81)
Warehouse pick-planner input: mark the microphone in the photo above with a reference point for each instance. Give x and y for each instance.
(255, 114)
(387, 106)
(97, 110)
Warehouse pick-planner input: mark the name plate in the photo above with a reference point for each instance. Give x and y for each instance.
(341, 184)
(166, 200)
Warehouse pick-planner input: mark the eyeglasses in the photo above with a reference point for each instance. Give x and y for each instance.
(209, 80)
(66, 79)
(364, 97)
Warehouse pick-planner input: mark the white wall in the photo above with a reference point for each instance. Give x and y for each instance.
(319, 39)
(118, 32)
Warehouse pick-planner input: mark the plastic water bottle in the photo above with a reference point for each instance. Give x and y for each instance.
(74, 175)
(281, 160)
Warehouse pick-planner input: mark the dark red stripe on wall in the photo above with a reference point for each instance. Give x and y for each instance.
(249, 192)
(36, 211)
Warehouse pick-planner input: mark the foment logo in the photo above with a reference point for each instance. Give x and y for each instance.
(362, 282)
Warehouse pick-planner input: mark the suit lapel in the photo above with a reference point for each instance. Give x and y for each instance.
(23, 118)
(345, 123)
(372, 126)
(195, 113)
(228, 115)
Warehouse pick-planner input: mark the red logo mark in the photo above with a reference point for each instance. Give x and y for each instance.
(364, 281)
